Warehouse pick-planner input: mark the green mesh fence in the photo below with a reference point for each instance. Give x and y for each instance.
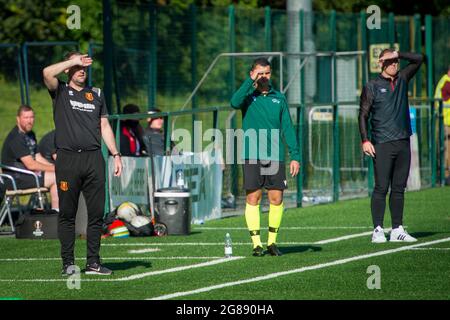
(10, 74)
(188, 40)
(11, 88)
(160, 53)
(441, 47)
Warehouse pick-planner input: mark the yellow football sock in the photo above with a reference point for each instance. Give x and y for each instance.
(275, 215)
(253, 224)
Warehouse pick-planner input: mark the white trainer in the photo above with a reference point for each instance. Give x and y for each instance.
(400, 235)
(378, 235)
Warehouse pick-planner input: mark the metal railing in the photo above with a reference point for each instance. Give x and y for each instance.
(435, 124)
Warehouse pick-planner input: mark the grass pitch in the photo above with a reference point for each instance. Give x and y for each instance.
(327, 253)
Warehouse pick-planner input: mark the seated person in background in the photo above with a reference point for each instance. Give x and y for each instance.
(47, 148)
(154, 136)
(19, 151)
(131, 143)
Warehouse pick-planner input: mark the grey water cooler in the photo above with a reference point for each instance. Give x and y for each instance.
(173, 208)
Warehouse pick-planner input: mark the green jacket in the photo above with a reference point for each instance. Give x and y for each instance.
(269, 117)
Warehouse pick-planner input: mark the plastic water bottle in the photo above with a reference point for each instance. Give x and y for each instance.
(228, 246)
(180, 178)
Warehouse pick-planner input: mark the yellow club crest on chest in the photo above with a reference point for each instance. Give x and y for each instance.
(89, 96)
(64, 185)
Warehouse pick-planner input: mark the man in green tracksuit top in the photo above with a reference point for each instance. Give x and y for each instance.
(266, 118)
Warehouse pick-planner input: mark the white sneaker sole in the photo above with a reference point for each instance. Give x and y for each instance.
(395, 240)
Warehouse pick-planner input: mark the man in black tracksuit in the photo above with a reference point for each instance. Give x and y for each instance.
(385, 100)
(81, 122)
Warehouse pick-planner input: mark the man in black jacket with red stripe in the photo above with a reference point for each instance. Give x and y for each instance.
(385, 100)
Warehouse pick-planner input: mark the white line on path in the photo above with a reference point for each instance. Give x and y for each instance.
(135, 276)
(299, 270)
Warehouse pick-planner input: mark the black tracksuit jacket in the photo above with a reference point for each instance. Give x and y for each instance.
(386, 102)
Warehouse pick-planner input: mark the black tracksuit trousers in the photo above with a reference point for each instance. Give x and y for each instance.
(391, 163)
(76, 172)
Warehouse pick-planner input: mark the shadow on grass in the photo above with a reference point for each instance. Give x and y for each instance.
(298, 249)
(126, 265)
(423, 234)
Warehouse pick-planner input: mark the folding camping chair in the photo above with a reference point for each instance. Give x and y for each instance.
(38, 195)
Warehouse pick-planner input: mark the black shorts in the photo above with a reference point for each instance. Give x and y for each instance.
(264, 173)
(26, 181)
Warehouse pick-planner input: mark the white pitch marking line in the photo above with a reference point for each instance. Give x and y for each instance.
(188, 244)
(144, 250)
(111, 258)
(135, 276)
(285, 228)
(299, 270)
(350, 236)
(438, 249)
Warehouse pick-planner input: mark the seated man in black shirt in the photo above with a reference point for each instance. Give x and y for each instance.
(154, 136)
(47, 147)
(20, 151)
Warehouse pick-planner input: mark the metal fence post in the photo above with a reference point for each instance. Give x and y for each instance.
(268, 28)
(193, 19)
(25, 69)
(429, 54)
(301, 118)
(364, 69)
(232, 83)
(153, 68)
(391, 29)
(336, 142)
(433, 144)
(21, 72)
(107, 54)
(167, 133)
(441, 144)
(90, 54)
(418, 49)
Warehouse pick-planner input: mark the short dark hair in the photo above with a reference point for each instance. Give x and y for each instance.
(71, 53)
(24, 108)
(261, 61)
(130, 108)
(384, 51)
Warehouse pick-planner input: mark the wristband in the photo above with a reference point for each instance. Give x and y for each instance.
(118, 154)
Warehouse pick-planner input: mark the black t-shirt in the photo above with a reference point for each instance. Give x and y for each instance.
(18, 144)
(47, 146)
(77, 117)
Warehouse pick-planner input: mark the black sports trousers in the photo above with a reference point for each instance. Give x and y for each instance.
(76, 172)
(391, 163)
